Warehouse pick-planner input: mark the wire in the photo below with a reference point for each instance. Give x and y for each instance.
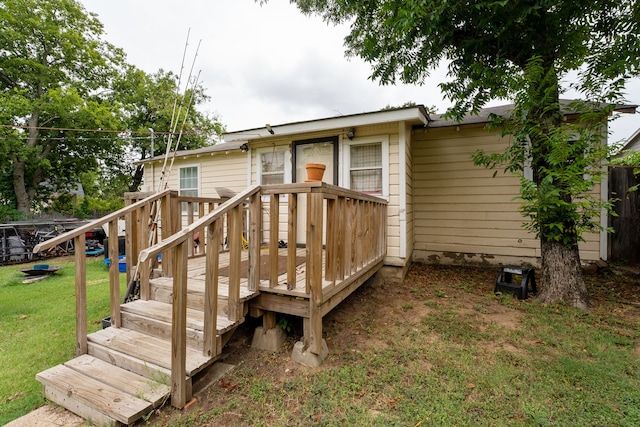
(63, 138)
(146, 132)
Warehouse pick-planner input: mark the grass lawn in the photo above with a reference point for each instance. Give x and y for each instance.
(439, 349)
(37, 326)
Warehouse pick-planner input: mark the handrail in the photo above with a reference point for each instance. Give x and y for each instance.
(97, 223)
(311, 187)
(182, 235)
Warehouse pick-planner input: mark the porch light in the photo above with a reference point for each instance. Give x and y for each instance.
(351, 133)
(244, 147)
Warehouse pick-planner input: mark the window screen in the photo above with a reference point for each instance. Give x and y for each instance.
(272, 168)
(189, 181)
(366, 168)
(188, 184)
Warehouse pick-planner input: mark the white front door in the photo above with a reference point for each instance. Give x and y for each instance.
(313, 151)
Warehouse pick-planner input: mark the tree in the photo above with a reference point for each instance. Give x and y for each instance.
(53, 69)
(151, 103)
(520, 50)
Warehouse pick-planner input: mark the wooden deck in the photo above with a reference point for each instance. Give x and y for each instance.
(190, 304)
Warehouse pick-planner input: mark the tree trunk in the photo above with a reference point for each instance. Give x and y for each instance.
(25, 193)
(138, 174)
(562, 279)
(23, 202)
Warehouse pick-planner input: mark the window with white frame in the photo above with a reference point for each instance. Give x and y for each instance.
(188, 180)
(272, 166)
(366, 163)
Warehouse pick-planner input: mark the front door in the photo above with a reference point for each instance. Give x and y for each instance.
(321, 150)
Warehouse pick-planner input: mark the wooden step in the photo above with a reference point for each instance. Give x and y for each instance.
(120, 345)
(161, 289)
(154, 318)
(101, 392)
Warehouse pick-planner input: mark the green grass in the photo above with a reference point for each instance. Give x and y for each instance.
(582, 374)
(37, 326)
(444, 361)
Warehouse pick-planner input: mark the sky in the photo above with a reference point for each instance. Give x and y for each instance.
(267, 64)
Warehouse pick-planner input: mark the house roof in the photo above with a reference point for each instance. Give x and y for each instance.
(234, 140)
(414, 115)
(633, 143)
(438, 120)
(208, 150)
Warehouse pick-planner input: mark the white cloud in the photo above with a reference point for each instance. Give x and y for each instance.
(264, 64)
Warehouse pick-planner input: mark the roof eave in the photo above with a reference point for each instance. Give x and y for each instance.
(413, 115)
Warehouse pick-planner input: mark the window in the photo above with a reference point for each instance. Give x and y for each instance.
(188, 183)
(365, 169)
(366, 166)
(272, 166)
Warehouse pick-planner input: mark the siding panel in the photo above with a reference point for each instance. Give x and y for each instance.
(461, 208)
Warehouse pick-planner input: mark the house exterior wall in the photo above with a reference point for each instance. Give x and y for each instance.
(220, 169)
(462, 213)
(389, 131)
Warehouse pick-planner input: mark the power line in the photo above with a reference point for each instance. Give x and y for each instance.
(91, 130)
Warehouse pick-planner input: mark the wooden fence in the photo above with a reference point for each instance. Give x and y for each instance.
(624, 242)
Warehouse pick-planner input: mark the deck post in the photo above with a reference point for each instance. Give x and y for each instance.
(179, 389)
(314, 270)
(214, 241)
(114, 275)
(269, 336)
(81, 295)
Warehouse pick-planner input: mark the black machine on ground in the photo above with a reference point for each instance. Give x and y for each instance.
(17, 240)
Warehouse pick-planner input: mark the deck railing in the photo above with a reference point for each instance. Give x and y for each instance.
(178, 246)
(144, 214)
(349, 226)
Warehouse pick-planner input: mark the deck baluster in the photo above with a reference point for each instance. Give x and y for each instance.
(332, 241)
(81, 295)
(143, 243)
(255, 229)
(292, 236)
(274, 231)
(114, 274)
(235, 226)
(212, 248)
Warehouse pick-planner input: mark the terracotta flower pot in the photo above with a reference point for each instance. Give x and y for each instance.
(315, 171)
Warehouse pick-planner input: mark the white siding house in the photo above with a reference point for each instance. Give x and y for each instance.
(442, 208)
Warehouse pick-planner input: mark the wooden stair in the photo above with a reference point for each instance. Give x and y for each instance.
(127, 371)
(101, 392)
